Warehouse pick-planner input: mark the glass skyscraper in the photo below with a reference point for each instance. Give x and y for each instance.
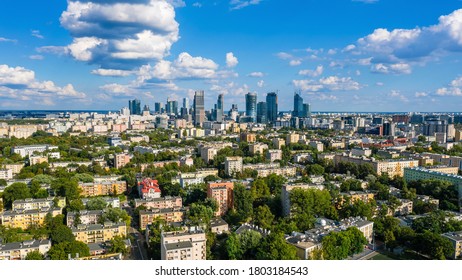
(271, 107)
(298, 106)
(261, 112)
(219, 110)
(134, 106)
(199, 109)
(251, 106)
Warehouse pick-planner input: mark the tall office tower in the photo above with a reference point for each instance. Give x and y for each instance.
(158, 107)
(219, 108)
(186, 103)
(417, 118)
(199, 108)
(146, 108)
(272, 107)
(261, 112)
(298, 106)
(134, 106)
(388, 129)
(172, 107)
(251, 106)
(306, 110)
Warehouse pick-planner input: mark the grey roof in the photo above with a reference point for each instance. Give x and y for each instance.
(24, 244)
(33, 211)
(178, 245)
(215, 222)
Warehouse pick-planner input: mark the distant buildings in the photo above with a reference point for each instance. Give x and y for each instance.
(95, 233)
(29, 150)
(134, 106)
(456, 241)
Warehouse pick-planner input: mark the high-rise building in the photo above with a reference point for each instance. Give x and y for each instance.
(306, 110)
(158, 107)
(125, 111)
(134, 106)
(219, 108)
(199, 108)
(388, 129)
(261, 112)
(298, 106)
(186, 103)
(251, 106)
(172, 107)
(271, 107)
(233, 112)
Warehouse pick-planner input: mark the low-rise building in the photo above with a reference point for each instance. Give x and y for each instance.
(84, 217)
(257, 148)
(6, 174)
(160, 202)
(170, 215)
(185, 245)
(26, 218)
(94, 233)
(103, 188)
(149, 188)
(273, 155)
(307, 242)
(19, 250)
(218, 225)
(456, 241)
(38, 203)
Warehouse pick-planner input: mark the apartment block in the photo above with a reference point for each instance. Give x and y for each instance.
(222, 192)
(160, 203)
(19, 250)
(391, 167)
(257, 148)
(38, 203)
(120, 160)
(186, 245)
(26, 218)
(233, 165)
(85, 217)
(103, 188)
(456, 241)
(99, 233)
(273, 155)
(31, 149)
(170, 215)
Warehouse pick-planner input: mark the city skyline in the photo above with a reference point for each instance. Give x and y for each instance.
(78, 55)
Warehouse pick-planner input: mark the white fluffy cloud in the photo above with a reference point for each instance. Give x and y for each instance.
(454, 88)
(312, 73)
(256, 75)
(184, 67)
(331, 83)
(403, 47)
(120, 34)
(295, 62)
(395, 94)
(398, 68)
(231, 60)
(19, 83)
(261, 83)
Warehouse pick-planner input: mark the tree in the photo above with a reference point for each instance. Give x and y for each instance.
(433, 245)
(243, 202)
(336, 246)
(260, 189)
(199, 214)
(61, 234)
(351, 185)
(62, 250)
(233, 247)
(315, 169)
(357, 240)
(275, 182)
(117, 245)
(263, 217)
(34, 255)
(14, 192)
(115, 215)
(249, 242)
(97, 203)
(275, 247)
(75, 205)
(84, 177)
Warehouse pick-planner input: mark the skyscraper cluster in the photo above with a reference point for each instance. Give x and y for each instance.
(265, 112)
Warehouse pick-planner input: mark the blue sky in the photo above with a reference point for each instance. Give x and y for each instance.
(343, 55)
